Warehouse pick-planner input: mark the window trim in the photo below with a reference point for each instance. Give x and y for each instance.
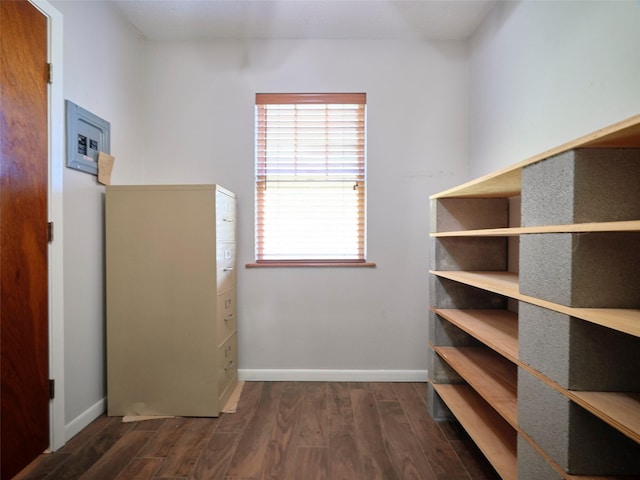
(313, 98)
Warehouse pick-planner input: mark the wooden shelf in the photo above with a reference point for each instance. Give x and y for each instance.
(498, 329)
(494, 436)
(486, 426)
(621, 410)
(506, 283)
(493, 377)
(507, 182)
(494, 382)
(503, 283)
(625, 226)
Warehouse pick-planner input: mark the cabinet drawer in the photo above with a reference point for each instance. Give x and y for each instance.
(225, 217)
(227, 363)
(226, 260)
(227, 314)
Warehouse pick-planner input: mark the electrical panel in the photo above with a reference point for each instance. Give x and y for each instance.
(87, 135)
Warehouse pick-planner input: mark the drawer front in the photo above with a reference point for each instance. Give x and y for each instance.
(225, 217)
(227, 314)
(227, 363)
(226, 260)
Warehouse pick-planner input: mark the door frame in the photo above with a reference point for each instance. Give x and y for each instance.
(56, 127)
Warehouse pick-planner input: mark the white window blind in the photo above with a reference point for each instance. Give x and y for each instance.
(310, 177)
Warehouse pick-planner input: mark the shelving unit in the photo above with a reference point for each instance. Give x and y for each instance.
(482, 348)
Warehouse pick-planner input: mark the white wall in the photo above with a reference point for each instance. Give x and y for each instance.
(103, 67)
(544, 73)
(200, 118)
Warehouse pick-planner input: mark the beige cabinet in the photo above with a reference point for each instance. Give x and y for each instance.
(171, 299)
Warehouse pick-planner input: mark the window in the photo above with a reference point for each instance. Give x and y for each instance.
(310, 178)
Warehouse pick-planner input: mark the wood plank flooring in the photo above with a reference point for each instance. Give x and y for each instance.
(281, 431)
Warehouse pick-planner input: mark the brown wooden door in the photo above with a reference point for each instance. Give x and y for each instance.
(24, 337)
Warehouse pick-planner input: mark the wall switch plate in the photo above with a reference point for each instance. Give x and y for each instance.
(87, 134)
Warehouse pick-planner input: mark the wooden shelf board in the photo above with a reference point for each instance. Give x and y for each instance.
(621, 410)
(625, 226)
(503, 183)
(498, 329)
(493, 377)
(625, 134)
(495, 437)
(503, 283)
(506, 283)
(627, 321)
(507, 182)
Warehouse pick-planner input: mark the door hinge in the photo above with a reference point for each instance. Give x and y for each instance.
(50, 68)
(52, 389)
(50, 231)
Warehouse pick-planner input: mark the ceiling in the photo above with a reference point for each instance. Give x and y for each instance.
(261, 19)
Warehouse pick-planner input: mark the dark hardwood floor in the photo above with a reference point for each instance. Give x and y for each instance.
(282, 430)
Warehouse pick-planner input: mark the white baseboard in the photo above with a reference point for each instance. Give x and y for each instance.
(275, 375)
(85, 418)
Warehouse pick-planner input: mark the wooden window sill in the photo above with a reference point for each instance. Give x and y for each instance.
(302, 263)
